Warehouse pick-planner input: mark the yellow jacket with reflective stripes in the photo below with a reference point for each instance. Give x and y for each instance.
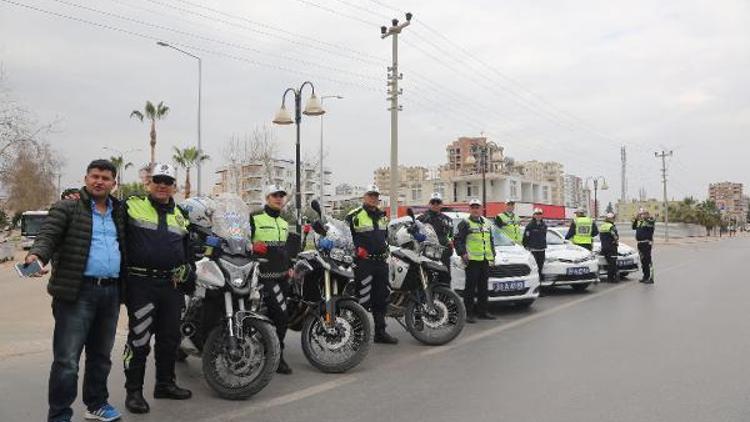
(156, 234)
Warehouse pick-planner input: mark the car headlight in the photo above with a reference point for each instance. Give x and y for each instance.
(552, 259)
(532, 264)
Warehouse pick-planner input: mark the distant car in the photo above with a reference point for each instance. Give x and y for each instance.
(628, 260)
(513, 279)
(566, 264)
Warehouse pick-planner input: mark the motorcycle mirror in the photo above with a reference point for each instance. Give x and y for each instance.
(315, 205)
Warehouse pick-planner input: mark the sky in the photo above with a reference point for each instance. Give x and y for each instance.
(570, 81)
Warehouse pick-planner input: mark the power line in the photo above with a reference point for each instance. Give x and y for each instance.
(189, 46)
(214, 40)
(309, 42)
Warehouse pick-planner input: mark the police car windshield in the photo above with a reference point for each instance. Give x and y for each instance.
(499, 238)
(554, 238)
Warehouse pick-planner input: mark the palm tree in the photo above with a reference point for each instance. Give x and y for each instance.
(187, 158)
(120, 166)
(152, 113)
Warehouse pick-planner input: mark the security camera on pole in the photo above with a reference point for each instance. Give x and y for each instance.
(393, 93)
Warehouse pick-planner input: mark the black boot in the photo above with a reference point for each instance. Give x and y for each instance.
(172, 392)
(470, 319)
(485, 315)
(382, 337)
(283, 367)
(135, 403)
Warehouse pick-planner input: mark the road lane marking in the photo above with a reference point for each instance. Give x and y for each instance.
(282, 400)
(244, 413)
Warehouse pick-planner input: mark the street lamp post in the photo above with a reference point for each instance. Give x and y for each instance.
(322, 174)
(595, 181)
(200, 77)
(312, 108)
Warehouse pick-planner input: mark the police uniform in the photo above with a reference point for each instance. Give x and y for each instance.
(369, 227)
(582, 232)
(270, 228)
(535, 240)
(609, 239)
(644, 235)
(474, 238)
(443, 226)
(510, 224)
(157, 254)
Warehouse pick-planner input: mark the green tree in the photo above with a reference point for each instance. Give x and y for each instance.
(152, 113)
(133, 189)
(120, 165)
(187, 158)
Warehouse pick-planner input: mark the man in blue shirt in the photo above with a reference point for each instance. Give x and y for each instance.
(84, 240)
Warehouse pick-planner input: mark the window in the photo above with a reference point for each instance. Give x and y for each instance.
(513, 189)
(469, 190)
(545, 193)
(416, 192)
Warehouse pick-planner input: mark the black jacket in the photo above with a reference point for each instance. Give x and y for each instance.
(609, 241)
(535, 235)
(158, 249)
(644, 229)
(65, 239)
(442, 224)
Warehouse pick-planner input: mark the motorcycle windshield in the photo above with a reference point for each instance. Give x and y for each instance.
(232, 223)
(430, 234)
(341, 236)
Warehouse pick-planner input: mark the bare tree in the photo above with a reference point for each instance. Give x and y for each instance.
(29, 178)
(28, 165)
(263, 148)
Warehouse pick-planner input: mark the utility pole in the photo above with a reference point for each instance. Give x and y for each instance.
(393, 92)
(624, 175)
(663, 155)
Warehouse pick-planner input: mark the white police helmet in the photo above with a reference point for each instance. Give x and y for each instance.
(200, 210)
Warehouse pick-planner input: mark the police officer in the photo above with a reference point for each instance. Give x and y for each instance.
(443, 226)
(369, 226)
(270, 231)
(509, 223)
(582, 230)
(644, 224)
(475, 246)
(609, 239)
(535, 239)
(157, 266)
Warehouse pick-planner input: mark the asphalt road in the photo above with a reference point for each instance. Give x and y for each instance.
(674, 351)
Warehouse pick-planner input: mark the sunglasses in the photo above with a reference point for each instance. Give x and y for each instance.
(475, 206)
(278, 195)
(435, 202)
(161, 180)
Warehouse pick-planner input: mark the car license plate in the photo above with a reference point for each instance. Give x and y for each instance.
(624, 262)
(578, 271)
(508, 286)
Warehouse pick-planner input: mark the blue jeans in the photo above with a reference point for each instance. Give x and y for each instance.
(90, 322)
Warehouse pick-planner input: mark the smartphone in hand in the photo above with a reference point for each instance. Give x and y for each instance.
(27, 270)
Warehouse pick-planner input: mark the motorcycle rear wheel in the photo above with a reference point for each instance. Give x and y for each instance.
(240, 377)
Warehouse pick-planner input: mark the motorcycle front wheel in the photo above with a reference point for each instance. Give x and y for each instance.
(239, 375)
(440, 323)
(341, 346)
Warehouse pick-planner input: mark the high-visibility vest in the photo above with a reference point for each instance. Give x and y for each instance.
(142, 214)
(511, 226)
(269, 230)
(363, 223)
(584, 226)
(479, 245)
